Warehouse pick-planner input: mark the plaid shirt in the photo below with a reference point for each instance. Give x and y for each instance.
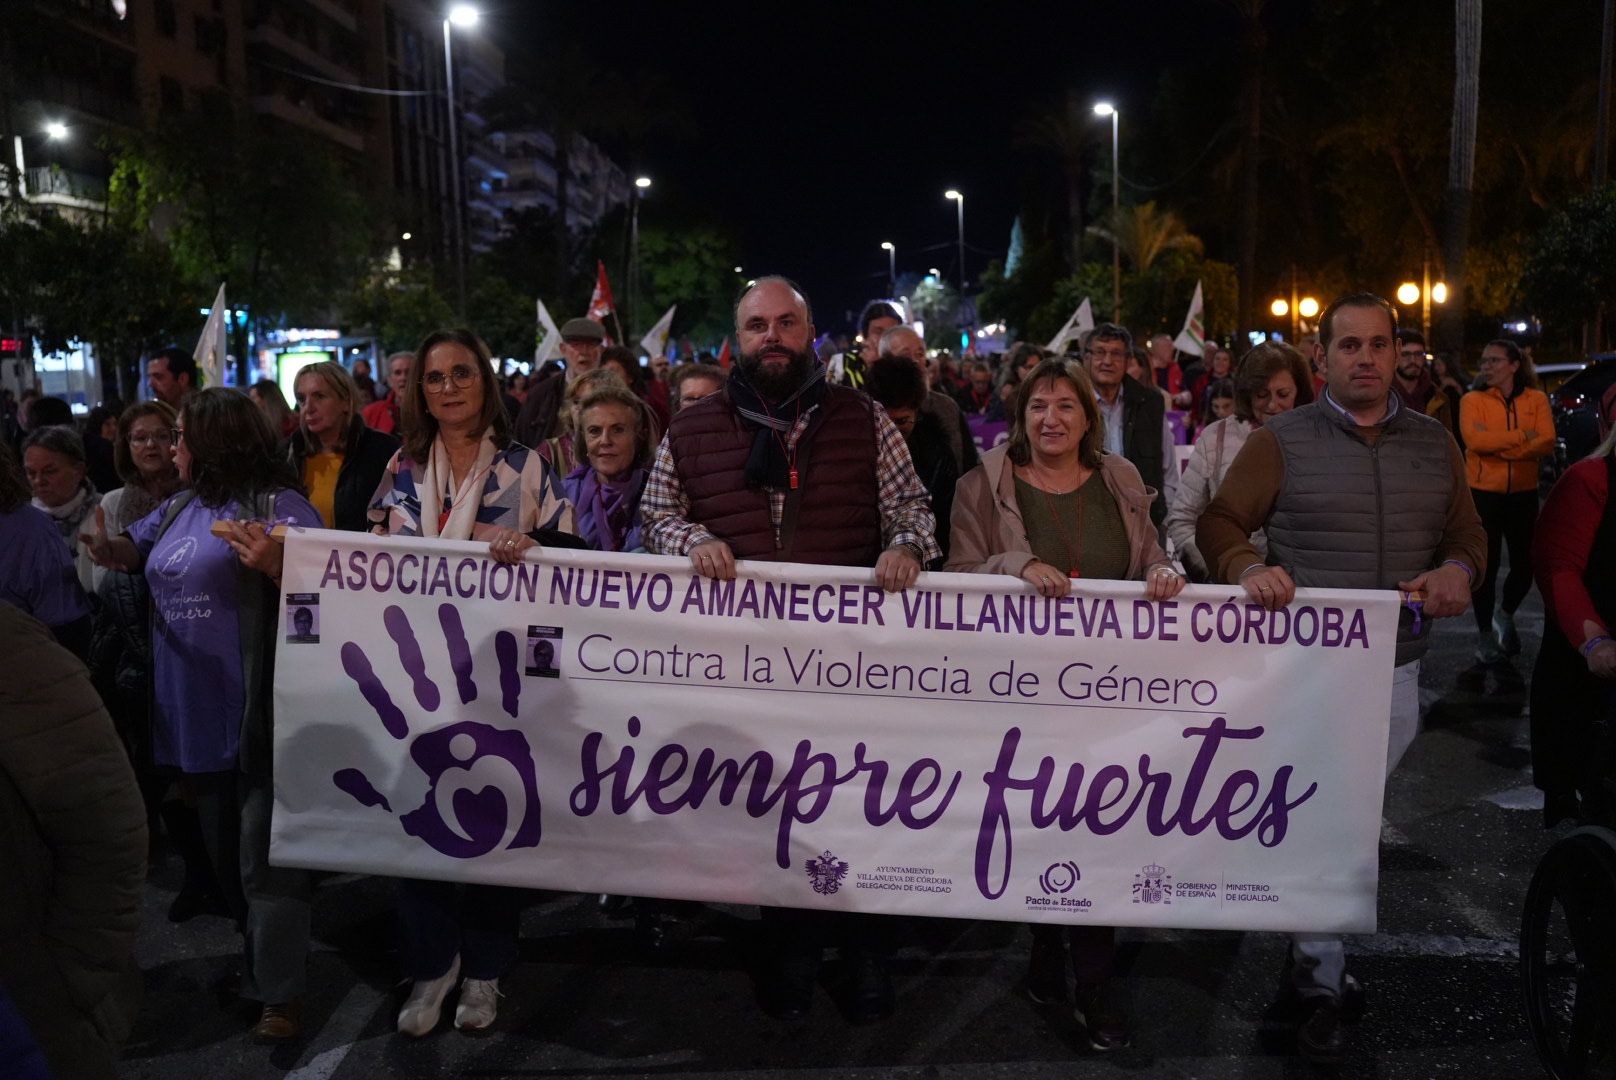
(906, 516)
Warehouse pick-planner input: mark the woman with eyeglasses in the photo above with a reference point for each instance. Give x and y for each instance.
(460, 476)
(120, 648)
(1508, 431)
(214, 601)
(340, 458)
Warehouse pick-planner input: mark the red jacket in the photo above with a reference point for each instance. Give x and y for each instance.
(382, 415)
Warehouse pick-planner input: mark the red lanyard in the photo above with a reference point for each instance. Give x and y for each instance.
(789, 451)
(1068, 542)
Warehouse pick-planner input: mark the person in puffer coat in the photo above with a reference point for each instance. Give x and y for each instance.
(73, 845)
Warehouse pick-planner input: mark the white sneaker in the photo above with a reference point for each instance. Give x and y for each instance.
(1509, 639)
(425, 1004)
(1488, 650)
(479, 1001)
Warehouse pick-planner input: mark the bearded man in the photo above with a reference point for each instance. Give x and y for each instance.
(780, 465)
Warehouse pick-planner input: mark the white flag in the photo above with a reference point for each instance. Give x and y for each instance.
(655, 342)
(1192, 339)
(549, 340)
(212, 347)
(1081, 322)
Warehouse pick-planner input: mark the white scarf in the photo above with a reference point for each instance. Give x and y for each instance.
(467, 498)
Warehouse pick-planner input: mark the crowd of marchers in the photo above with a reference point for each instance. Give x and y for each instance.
(142, 582)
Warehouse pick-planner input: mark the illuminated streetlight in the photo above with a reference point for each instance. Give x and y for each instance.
(738, 270)
(465, 17)
(1105, 108)
(405, 236)
(892, 265)
(934, 272)
(642, 184)
(1280, 309)
(56, 130)
(1439, 293)
(1408, 293)
(959, 199)
(1309, 307)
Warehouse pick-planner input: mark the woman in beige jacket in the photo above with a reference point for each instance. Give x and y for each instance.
(1049, 506)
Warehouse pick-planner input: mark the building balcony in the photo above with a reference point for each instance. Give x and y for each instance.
(54, 186)
(271, 105)
(273, 37)
(341, 12)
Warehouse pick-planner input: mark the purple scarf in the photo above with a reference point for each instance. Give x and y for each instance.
(608, 512)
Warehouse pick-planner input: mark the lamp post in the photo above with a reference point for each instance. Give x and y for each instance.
(1426, 293)
(892, 265)
(641, 184)
(1105, 108)
(465, 16)
(53, 130)
(959, 199)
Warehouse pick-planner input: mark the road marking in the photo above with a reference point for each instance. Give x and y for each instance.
(344, 1025)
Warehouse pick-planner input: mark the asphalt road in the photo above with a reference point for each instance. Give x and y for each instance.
(1462, 832)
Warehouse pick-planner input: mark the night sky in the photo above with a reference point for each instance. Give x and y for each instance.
(822, 129)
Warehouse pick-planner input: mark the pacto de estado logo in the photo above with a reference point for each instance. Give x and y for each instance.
(481, 787)
(1059, 878)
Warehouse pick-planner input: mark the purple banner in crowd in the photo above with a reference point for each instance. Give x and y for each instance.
(613, 723)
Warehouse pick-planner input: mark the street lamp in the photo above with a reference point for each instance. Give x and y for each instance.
(1105, 108)
(464, 16)
(55, 131)
(892, 265)
(959, 199)
(1425, 293)
(641, 184)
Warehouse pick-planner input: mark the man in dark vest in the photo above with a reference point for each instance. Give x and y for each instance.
(1355, 491)
(781, 465)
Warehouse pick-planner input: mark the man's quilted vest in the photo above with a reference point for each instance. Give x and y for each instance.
(838, 519)
(1351, 515)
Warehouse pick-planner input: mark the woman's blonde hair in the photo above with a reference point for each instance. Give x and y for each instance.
(342, 387)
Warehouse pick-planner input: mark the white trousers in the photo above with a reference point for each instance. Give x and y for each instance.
(1319, 961)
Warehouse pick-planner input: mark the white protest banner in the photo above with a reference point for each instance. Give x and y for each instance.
(612, 723)
(549, 336)
(212, 344)
(655, 341)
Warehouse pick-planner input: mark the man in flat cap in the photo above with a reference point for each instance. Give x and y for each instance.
(581, 341)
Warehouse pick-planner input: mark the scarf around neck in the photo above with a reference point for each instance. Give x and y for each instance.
(608, 511)
(467, 498)
(766, 465)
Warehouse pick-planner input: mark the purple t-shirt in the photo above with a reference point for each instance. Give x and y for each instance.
(37, 573)
(196, 644)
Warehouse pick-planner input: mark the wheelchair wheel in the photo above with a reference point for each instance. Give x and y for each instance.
(1568, 956)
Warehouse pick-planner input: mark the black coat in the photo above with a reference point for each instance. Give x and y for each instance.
(1143, 411)
(365, 459)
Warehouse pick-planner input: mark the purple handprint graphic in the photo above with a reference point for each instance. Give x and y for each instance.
(482, 793)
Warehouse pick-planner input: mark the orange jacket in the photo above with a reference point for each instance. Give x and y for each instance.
(1505, 439)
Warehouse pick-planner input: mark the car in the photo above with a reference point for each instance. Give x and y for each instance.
(1575, 408)
(1551, 376)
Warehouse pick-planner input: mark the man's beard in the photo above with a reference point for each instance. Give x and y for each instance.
(1410, 374)
(776, 384)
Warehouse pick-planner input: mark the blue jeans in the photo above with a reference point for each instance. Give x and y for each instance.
(439, 919)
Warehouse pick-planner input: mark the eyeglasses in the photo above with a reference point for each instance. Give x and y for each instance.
(156, 438)
(433, 382)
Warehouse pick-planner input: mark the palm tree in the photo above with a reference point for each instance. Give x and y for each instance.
(1145, 234)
